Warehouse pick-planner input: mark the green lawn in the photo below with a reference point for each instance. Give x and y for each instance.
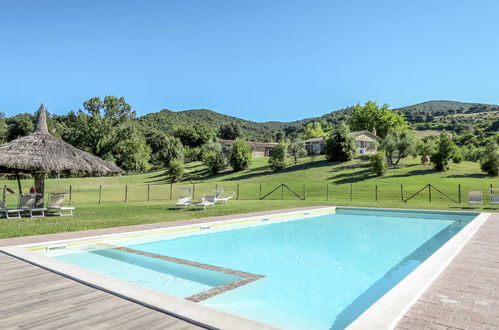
(322, 182)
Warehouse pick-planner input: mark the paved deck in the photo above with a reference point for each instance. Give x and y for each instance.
(465, 296)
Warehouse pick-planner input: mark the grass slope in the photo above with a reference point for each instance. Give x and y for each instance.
(323, 183)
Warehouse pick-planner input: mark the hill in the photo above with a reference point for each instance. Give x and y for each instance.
(166, 119)
(451, 115)
(430, 115)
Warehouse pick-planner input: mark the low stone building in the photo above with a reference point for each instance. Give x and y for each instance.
(364, 139)
(258, 149)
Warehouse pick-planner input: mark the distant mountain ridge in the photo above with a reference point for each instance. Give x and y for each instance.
(424, 112)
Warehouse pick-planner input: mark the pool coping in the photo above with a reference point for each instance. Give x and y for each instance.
(383, 314)
(387, 311)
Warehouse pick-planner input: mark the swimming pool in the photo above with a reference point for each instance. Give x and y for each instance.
(295, 271)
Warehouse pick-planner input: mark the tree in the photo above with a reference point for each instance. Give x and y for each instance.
(106, 129)
(314, 129)
(372, 117)
(175, 170)
(446, 148)
(229, 131)
(240, 155)
(378, 163)
(164, 148)
(340, 145)
(297, 150)
(19, 125)
(490, 159)
(214, 157)
(132, 155)
(398, 145)
(277, 159)
(194, 136)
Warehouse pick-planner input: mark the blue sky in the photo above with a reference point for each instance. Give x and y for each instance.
(259, 60)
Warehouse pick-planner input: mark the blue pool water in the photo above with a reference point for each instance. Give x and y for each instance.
(320, 272)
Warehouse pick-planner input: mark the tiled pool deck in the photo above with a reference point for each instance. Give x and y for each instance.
(465, 296)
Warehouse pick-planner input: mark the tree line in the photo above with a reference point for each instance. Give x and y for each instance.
(109, 128)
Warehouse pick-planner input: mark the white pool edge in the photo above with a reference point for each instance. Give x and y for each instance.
(387, 311)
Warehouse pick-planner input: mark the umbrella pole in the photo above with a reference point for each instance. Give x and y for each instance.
(19, 184)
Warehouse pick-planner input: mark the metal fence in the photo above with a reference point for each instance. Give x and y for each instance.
(384, 192)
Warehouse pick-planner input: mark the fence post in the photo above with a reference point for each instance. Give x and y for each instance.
(459, 193)
(148, 192)
(282, 191)
(429, 193)
(237, 195)
(100, 193)
(70, 194)
(376, 193)
(351, 192)
(304, 193)
(171, 190)
(402, 192)
(126, 193)
(260, 194)
(327, 191)
(193, 190)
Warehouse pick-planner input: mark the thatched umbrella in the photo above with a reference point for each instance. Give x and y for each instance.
(40, 153)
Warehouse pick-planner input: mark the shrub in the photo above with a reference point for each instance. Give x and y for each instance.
(340, 145)
(445, 152)
(472, 153)
(378, 163)
(240, 155)
(490, 160)
(457, 157)
(214, 157)
(277, 160)
(175, 170)
(192, 154)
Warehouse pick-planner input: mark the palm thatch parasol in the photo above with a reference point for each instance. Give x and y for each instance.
(40, 153)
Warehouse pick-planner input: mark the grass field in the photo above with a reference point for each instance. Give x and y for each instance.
(316, 183)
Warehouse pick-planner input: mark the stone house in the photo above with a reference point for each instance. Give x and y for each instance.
(258, 149)
(363, 139)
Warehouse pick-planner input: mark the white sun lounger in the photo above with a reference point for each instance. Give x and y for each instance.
(224, 198)
(475, 198)
(494, 196)
(9, 213)
(27, 205)
(55, 206)
(183, 202)
(207, 200)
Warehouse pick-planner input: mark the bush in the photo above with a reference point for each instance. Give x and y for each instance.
(378, 163)
(277, 160)
(472, 154)
(490, 160)
(192, 154)
(446, 150)
(240, 155)
(340, 145)
(457, 157)
(214, 157)
(175, 170)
